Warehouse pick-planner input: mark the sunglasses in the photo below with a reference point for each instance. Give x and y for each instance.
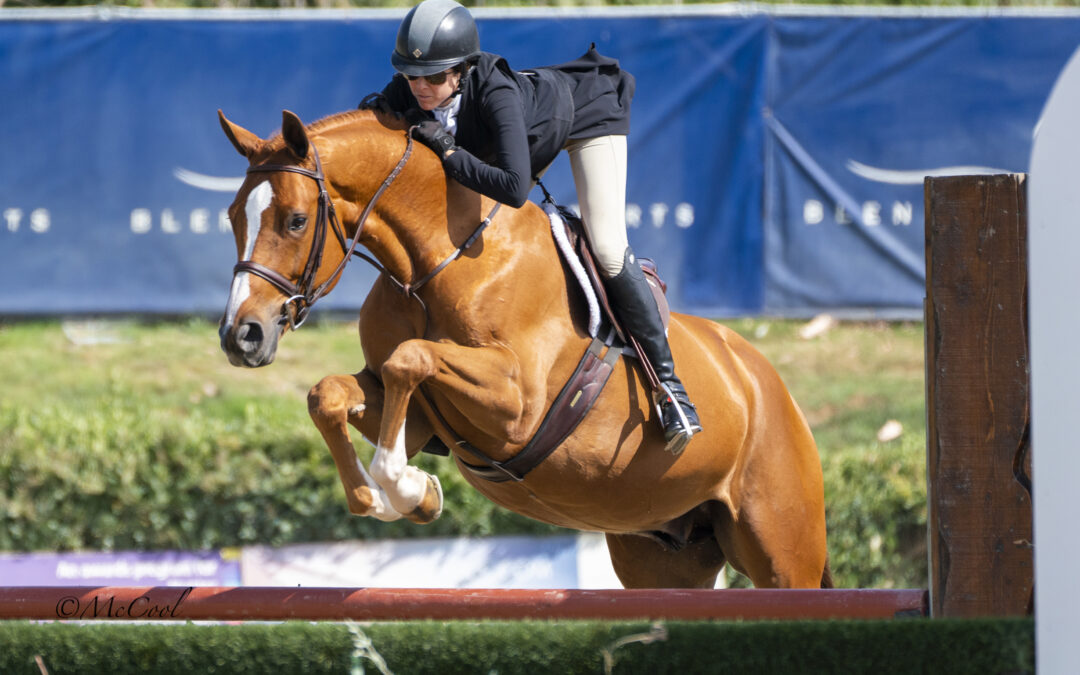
(437, 78)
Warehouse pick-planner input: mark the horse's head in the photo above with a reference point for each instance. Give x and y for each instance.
(281, 217)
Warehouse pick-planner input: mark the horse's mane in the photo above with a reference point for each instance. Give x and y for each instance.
(332, 122)
(338, 119)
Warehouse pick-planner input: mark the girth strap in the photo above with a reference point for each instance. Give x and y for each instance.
(576, 399)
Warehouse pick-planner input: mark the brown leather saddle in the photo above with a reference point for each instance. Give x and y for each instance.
(580, 392)
(575, 232)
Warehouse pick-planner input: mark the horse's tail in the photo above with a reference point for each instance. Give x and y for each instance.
(826, 574)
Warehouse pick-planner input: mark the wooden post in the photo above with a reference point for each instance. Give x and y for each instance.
(978, 460)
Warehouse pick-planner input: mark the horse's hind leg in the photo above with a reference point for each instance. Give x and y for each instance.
(340, 400)
(640, 562)
(777, 537)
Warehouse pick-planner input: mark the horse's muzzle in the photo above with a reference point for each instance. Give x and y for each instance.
(249, 344)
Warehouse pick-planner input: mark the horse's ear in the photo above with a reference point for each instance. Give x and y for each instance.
(294, 133)
(243, 140)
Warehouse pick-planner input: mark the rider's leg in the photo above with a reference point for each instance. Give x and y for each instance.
(599, 166)
(633, 300)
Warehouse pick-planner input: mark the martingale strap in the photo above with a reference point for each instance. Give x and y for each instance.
(576, 399)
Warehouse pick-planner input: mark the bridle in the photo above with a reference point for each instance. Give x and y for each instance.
(302, 295)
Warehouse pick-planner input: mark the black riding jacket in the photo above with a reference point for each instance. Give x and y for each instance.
(511, 125)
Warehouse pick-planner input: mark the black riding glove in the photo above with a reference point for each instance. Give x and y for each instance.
(377, 102)
(433, 135)
(415, 116)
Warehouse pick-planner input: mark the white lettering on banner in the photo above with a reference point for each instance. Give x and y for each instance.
(871, 214)
(198, 221)
(40, 220)
(12, 217)
(901, 213)
(684, 215)
(658, 211)
(159, 570)
(141, 221)
(169, 223)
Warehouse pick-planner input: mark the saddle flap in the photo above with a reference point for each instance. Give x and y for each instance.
(575, 231)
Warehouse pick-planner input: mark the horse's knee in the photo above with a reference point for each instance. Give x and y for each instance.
(334, 400)
(409, 364)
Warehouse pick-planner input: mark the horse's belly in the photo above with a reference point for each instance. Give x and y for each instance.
(613, 495)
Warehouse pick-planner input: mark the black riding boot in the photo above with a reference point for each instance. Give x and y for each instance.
(635, 306)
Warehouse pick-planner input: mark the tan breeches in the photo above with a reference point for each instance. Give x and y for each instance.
(599, 166)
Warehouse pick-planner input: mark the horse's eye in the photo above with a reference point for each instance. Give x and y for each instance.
(297, 222)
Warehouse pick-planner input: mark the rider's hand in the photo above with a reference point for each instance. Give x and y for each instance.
(377, 102)
(433, 135)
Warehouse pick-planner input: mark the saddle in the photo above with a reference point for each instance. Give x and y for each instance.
(577, 253)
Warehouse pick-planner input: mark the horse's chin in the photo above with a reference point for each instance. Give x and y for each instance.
(250, 360)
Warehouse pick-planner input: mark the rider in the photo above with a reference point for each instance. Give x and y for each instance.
(496, 129)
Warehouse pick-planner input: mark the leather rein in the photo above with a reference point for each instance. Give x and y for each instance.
(303, 294)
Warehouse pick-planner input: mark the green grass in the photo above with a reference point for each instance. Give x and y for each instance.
(148, 438)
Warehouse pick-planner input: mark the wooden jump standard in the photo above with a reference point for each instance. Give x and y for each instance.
(400, 604)
(978, 392)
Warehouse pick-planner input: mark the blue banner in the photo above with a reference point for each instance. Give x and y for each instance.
(860, 110)
(776, 161)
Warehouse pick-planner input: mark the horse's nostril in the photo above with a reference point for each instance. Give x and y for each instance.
(249, 336)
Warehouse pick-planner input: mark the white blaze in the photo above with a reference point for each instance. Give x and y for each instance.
(257, 203)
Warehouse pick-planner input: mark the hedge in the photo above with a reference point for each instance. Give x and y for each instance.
(155, 443)
(956, 647)
(125, 475)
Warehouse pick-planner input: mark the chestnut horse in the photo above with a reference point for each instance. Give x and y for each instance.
(481, 349)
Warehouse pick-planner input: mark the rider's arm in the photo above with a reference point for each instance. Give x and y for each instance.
(507, 178)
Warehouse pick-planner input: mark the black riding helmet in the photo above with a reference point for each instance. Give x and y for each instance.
(435, 35)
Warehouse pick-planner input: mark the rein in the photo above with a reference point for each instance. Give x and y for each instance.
(303, 294)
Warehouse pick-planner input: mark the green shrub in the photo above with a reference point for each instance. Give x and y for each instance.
(900, 646)
(875, 506)
(124, 474)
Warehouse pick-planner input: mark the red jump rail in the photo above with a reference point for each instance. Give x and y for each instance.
(402, 604)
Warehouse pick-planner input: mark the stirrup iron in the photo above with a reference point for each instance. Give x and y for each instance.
(681, 439)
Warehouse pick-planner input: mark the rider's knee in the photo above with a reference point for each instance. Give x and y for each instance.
(610, 257)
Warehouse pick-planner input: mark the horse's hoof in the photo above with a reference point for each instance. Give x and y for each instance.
(430, 507)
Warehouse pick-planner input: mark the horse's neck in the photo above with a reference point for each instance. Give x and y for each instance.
(407, 226)
(422, 218)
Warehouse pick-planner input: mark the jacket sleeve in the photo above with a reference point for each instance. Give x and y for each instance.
(508, 177)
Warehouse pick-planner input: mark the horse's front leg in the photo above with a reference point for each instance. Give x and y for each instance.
(340, 400)
(479, 380)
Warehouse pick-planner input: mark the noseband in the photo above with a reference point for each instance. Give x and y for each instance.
(302, 295)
